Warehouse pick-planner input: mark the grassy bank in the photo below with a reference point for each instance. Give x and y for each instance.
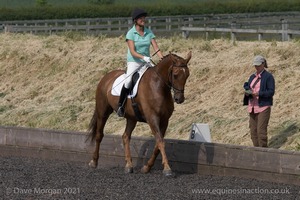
(49, 82)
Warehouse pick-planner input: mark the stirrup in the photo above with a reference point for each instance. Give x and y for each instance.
(120, 111)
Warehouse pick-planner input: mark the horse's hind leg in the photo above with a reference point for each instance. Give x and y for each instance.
(101, 121)
(146, 168)
(130, 125)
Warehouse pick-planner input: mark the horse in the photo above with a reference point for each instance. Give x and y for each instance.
(155, 103)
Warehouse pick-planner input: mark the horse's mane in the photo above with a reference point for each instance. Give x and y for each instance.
(177, 57)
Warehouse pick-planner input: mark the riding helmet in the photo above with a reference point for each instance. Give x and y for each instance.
(137, 13)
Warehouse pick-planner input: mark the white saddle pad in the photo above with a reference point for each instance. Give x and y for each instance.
(119, 82)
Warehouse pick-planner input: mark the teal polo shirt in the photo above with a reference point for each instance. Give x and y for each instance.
(141, 43)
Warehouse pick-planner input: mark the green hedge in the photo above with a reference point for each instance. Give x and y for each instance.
(159, 9)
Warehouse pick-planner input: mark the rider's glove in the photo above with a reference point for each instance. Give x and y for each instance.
(147, 59)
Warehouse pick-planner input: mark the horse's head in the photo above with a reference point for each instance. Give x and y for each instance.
(178, 74)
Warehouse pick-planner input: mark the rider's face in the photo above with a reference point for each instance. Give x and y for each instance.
(141, 20)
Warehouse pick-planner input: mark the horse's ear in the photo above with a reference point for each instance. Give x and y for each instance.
(189, 56)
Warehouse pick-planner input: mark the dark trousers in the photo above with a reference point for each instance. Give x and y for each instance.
(258, 124)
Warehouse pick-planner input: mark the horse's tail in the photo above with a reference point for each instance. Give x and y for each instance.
(92, 127)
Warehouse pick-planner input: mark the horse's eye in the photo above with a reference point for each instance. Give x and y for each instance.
(175, 76)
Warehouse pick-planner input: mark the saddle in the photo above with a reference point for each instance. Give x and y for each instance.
(119, 82)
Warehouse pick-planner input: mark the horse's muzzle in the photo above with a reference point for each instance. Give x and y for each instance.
(179, 98)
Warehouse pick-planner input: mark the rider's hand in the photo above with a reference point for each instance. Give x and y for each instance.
(147, 59)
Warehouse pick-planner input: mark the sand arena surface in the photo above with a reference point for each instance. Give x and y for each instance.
(28, 178)
(50, 82)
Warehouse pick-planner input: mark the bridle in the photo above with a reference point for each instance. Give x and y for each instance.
(170, 78)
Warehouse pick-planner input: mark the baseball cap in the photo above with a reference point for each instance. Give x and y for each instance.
(258, 60)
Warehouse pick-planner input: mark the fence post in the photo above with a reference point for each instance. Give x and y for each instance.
(56, 25)
(88, 23)
(129, 22)
(284, 34)
(168, 24)
(120, 23)
(46, 25)
(179, 22)
(260, 36)
(233, 34)
(149, 22)
(185, 34)
(109, 25)
(191, 21)
(6, 29)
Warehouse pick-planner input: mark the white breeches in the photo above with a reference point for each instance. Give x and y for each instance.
(131, 68)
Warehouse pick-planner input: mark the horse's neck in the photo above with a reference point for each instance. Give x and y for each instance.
(162, 68)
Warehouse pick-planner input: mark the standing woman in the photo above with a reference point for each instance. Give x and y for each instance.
(259, 92)
(138, 38)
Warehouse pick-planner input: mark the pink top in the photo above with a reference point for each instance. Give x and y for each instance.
(253, 102)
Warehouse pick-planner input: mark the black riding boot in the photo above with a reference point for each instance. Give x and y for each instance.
(122, 101)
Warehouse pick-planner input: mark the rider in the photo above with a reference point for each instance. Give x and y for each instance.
(138, 38)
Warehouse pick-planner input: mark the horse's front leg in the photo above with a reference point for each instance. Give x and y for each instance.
(159, 132)
(130, 125)
(160, 142)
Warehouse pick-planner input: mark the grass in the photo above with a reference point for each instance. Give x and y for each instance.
(285, 130)
(297, 147)
(4, 109)
(2, 94)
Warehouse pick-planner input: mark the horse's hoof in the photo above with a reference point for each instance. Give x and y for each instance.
(92, 164)
(168, 172)
(128, 170)
(145, 169)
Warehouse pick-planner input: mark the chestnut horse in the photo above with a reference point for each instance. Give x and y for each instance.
(155, 104)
